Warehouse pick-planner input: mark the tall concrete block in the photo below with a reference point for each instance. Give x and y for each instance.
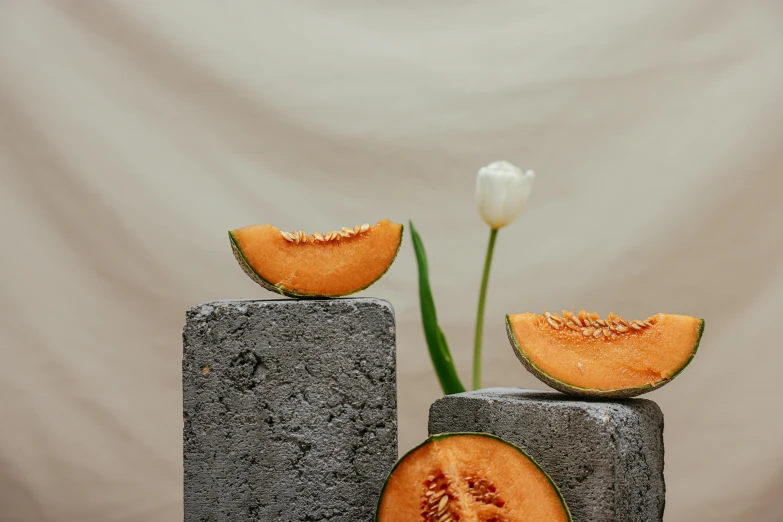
(290, 409)
(606, 457)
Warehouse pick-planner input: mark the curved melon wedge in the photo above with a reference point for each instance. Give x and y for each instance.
(582, 354)
(469, 477)
(334, 264)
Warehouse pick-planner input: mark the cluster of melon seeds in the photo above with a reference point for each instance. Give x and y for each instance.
(440, 504)
(591, 324)
(484, 492)
(298, 236)
(435, 507)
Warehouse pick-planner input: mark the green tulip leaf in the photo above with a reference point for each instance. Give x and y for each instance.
(436, 340)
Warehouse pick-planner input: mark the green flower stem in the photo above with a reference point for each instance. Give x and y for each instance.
(480, 315)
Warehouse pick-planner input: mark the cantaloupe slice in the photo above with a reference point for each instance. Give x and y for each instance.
(334, 264)
(582, 354)
(469, 477)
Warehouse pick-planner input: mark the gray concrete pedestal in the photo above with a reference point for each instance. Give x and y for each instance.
(606, 457)
(290, 409)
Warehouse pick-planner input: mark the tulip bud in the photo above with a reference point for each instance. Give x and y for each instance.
(501, 192)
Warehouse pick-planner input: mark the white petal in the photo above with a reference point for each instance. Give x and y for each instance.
(501, 192)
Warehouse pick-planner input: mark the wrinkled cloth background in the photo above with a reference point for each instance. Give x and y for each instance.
(133, 135)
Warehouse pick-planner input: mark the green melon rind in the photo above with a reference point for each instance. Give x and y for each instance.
(440, 436)
(570, 389)
(255, 276)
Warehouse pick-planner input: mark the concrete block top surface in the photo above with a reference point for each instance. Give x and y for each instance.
(606, 456)
(289, 409)
(554, 399)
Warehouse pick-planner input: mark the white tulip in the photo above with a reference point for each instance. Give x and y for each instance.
(501, 192)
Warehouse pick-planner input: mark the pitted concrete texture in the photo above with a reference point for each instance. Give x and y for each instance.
(606, 457)
(290, 409)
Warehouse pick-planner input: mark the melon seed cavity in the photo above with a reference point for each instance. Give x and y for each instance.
(591, 324)
(439, 501)
(299, 236)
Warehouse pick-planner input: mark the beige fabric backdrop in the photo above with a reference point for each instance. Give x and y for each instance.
(134, 134)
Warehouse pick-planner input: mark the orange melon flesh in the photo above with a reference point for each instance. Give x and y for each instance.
(316, 268)
(483, 477)
(627, 362)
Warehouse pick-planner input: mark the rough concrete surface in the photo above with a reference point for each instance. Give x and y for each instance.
(606, 457)
(290, 409)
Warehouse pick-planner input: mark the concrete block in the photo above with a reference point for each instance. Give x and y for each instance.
(290, 409)
(606, 457)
